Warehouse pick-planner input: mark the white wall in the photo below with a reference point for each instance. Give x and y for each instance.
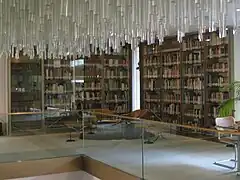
(236, 59)
(135, 80)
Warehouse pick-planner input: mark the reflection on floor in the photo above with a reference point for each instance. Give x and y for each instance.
(176, 157)
(63, 176)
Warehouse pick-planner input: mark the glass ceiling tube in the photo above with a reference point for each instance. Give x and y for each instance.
(70, 26)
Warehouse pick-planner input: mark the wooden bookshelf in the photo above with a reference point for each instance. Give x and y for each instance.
(25, 84)
(58, 86)
(26, 92)
(151, 77)
(181, 82)
(107, 81)
(192, 64)
(92, 93)
(218, 72)
(171, 80)
(117, 81)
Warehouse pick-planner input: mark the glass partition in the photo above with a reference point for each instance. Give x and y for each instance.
(26, 85)
(115, 140)
(73, 106)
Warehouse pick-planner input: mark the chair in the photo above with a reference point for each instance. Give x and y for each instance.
(101, 117)
(230, 124)
(140, 113)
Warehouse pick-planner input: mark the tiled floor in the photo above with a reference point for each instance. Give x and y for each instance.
(176, 157)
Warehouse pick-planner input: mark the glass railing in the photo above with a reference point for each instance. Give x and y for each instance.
(114, 140)
(143, 147)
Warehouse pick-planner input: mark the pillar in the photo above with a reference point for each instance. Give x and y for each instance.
(135, 80)
(4, 90)
(236, 66)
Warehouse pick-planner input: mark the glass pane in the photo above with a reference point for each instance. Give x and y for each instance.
(26, 85)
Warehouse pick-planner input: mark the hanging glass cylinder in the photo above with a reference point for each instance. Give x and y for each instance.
(70, 26)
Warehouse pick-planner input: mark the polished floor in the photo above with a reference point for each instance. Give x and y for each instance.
(175, 157)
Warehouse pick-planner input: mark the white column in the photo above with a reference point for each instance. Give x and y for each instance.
(4, 90)
(236, 59)
(135, 80)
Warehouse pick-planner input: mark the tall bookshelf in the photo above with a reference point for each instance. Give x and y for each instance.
(182, 82)
(92, 94)
(171, 80)
(218, 72)
(58, 86)
(26, 92)
(117, 81)
(151, 77)
(192, 80)
(107, 81)
(25, 84)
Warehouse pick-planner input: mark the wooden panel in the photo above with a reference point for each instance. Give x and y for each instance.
(62, 165)
(104, 171)
(40, 167)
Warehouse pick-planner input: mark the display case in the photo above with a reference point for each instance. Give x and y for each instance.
(26, 93)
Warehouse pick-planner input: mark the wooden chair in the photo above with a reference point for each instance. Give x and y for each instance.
(140, 113)
(101, 118)
(227, 124)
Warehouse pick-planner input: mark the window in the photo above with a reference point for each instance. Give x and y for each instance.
(77, 62)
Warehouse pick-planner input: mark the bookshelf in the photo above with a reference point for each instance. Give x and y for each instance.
(218, 72)
(107, 81)
(181, 82)
(58, 86)
(25, 84)
(151, 77)
(192, 81)
(26, 91)
(117, 82)
(171, 89)
(92, 88)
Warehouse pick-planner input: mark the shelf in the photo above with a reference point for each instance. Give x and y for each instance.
(106, 82)
(117, 81)
(193, 81)
(25, 89)
(182, 81)
(58, 87)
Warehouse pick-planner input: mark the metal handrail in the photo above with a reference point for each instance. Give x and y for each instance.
(146, 121)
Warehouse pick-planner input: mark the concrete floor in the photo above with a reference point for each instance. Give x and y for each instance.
(176, 157)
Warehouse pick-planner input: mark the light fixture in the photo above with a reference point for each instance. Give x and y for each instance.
(68, 27)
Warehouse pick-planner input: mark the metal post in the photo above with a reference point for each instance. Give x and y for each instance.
(83, 129)
(73, 103)
(44, 129)
(238, 156)
(9, 97)
(142, 141)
